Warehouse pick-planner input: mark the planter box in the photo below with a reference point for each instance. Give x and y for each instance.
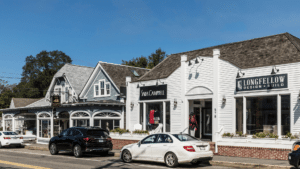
(114, 134)
(125, 134)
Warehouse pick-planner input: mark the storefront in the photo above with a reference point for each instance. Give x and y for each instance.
(227, 89)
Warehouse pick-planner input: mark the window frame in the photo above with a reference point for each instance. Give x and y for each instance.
(106, 91)
(95, 91)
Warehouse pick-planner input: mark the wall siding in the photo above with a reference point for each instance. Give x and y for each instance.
(90, 94)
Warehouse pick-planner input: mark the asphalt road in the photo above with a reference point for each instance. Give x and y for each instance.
(15, 158)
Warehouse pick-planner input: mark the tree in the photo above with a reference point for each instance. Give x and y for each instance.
(137, 62)
(150, 62)
(156, 58)
(38, 73)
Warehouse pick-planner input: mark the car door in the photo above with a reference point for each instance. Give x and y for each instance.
(61, 140)
(143, 150)
(161, 146)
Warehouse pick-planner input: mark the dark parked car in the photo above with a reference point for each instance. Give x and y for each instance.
(81, 139)
(294, 156)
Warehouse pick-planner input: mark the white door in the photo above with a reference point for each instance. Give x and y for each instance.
(142, 151)
(161, 146)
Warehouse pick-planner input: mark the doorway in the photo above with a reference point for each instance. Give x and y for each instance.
(202, 112)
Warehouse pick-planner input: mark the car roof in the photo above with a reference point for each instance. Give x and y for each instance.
(87, 128)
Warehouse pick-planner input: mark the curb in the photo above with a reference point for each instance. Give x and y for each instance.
(247, 165)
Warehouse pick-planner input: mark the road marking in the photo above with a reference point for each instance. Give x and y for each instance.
(22, 165)
(118, 160)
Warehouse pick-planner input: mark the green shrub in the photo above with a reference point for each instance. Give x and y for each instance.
(121, 131)
(289, 135)
(272, 135)
(141, 132)
(228, 135)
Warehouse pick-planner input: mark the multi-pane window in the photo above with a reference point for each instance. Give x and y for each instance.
(102, 88)
(67, 94)
(107, 88)
(96, 90)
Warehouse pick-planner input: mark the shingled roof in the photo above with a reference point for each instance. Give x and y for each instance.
(22, 102)
(266, 51)
(118, 73)
(77, 75)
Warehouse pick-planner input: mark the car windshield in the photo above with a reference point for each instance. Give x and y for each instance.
(10, 133)
(185, 137)
(96, 133)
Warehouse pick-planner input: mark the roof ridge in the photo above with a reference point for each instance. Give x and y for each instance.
(231, 43)
(292, 40)
(123, 65)
(155, 67)
(78, 65)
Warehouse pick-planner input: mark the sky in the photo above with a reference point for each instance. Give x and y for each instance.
(111, 31)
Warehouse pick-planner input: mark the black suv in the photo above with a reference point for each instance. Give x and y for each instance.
(294, 156)
(81, 139)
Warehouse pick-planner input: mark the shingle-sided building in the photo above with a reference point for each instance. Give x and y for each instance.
(88, 97)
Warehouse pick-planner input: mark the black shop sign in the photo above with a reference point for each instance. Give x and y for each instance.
(153, 92)
(262, 82)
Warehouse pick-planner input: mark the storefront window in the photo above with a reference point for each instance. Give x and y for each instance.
(107, 124)
(81, 122)
(61, 123)
(45, 128)
(168, 117)
(154, 116)
(261, 115)
(239, 114)
(285, 114)
(8, 123)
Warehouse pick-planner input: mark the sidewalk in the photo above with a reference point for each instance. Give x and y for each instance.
(217, 160)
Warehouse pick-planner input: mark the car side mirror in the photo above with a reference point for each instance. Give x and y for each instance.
(139, 144)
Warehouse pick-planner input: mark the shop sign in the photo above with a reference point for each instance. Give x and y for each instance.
(262, 82)
(55, 101)
(153, 92)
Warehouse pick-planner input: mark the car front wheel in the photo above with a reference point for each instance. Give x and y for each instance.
(171, 160)
(77, 151)
(126, 156)
(297, 165)
(53, 149)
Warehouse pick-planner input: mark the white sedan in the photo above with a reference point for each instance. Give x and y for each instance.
(170, 149)
(9, 138)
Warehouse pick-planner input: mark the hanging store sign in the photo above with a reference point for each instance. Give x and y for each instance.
(153, 92)
(262, 82)
(55, 101)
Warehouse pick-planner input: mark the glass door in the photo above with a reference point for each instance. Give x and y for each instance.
(207, 122)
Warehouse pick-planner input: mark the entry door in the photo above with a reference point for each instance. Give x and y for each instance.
(207, 122)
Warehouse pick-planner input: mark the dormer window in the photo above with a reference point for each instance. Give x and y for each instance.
(102, 88)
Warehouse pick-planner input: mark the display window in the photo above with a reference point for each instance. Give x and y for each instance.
(61, 123)
(80, 119)
(154, 115)
(239, 114)
(8, 123)
(45, 128)
(285, 114)
(107, 120)
(25, 124)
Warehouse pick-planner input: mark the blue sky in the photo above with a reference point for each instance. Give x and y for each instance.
(112, 31)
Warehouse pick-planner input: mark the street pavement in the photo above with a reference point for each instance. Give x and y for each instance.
(16, 158)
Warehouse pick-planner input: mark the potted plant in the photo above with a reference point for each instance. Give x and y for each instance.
(141, 132)
(227, 135)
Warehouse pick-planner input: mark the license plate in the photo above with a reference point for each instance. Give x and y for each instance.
(202, 148)
(101, 141)
(14, 137)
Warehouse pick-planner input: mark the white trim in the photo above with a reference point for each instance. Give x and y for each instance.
(100, 88)
(92, 78)
(110, 111)
(41, 118)
(107, 83)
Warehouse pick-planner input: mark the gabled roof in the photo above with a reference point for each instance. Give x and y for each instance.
(22, 102)
(266, 51)
(116, 73)
(40, 103)
(75, 74)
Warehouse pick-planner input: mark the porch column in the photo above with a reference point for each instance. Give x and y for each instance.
(37, 127)
(52, 116)
(128, 102)
(3, 125)
(244, 115)
(279, 116)
(215, 101)
(164, 115)
(144, 116)
(184, 106)
(122, 118)
(13, 124)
